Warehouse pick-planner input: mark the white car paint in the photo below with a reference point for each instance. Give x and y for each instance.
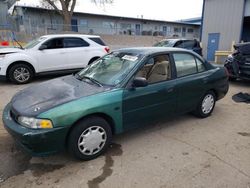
(52, 59)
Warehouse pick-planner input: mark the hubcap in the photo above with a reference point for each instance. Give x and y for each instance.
(92, 140)
(21, 74)
(207, 104)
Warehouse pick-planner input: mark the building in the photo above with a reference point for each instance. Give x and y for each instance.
(223, 23)
(35, 20)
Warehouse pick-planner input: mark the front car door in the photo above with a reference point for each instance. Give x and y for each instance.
(156, 100)
(53, 57)
(190, 82)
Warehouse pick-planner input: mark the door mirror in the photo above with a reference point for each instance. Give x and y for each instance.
(140, 82)
(43, 47)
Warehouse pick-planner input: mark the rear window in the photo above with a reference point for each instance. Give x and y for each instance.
(74, 42)
(98, 41)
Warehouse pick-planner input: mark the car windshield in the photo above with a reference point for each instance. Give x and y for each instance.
(33, 43)
(165, 43)
(111, 69)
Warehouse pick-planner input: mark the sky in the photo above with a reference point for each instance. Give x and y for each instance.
(168, 10)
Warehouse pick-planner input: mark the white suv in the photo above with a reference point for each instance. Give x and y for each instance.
(65, 53)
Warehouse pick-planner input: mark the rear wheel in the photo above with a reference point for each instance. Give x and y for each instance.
(20, 74)
(206, 105)
(89, 138)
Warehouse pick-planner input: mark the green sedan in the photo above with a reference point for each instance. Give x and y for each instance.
(121, 91)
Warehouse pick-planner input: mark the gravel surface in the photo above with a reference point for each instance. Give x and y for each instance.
(181, 152)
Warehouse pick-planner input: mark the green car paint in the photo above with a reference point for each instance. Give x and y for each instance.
(108, 103)
(123, 106)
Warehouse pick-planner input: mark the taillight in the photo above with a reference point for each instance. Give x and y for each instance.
(107, 49)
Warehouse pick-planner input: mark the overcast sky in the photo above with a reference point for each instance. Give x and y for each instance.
(151, 9)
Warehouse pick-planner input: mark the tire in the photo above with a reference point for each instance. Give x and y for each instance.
(206, 105)
(20, 74)
(89, 138)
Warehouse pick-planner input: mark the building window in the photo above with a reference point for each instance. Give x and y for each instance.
(108, 24)
(83, 22)
(177, 30)
(125, 26)
(190, 30)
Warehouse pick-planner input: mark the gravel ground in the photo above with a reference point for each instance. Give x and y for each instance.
(182, 152)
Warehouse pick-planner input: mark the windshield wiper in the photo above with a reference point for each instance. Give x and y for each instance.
(18, 44)
(92, 80)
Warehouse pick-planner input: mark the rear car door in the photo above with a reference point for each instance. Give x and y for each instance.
(155, 101)
(77, 51)
(191, 80)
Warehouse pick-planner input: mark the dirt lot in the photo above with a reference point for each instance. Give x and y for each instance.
(183, 152)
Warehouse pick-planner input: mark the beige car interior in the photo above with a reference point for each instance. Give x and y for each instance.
(157, 72)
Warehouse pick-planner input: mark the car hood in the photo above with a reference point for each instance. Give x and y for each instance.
(9, 50)
(41, 97)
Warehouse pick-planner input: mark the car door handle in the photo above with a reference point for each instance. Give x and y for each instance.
(167, 90)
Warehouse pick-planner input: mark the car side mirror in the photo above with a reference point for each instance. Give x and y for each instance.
(140, 82)
(43, 47)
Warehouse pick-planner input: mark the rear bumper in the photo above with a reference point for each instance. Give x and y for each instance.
(38, 142)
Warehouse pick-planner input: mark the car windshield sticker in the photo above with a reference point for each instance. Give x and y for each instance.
(130, 58)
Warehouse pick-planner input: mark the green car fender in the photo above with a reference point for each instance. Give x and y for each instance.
(107, 103)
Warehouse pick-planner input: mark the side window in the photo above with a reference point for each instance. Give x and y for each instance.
(188, 44)
(156, 69)
(179, 44)
(97, 40)
(54, 43)
(73, 42)
(185, 64)
(200, 65)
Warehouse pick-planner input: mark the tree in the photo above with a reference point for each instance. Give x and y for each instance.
(66, 8)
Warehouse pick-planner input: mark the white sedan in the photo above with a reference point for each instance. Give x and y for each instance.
(49, 54)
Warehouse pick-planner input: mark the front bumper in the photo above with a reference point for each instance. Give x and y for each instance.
(38, 142)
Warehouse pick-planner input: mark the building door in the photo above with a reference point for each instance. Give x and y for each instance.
(74, 26)
(138, 29)
(212, 45)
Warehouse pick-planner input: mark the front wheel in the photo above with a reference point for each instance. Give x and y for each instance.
(206, 105)
(20, 74)
(89, 138)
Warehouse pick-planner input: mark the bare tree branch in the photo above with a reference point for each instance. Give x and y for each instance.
(52, 3)
(72, 6)
(67, 8)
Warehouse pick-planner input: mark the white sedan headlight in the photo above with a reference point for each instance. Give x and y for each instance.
(35, 123)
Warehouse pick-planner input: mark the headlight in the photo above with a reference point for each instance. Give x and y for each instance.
(230, 56)
(35, 123)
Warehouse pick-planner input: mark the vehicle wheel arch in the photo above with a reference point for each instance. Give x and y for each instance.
(93, 59)
(20, 62)
(215, 93)
(106, 117)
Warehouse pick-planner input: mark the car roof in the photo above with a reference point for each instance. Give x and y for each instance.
(70, 35)
(179, 39)
(151, 50)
